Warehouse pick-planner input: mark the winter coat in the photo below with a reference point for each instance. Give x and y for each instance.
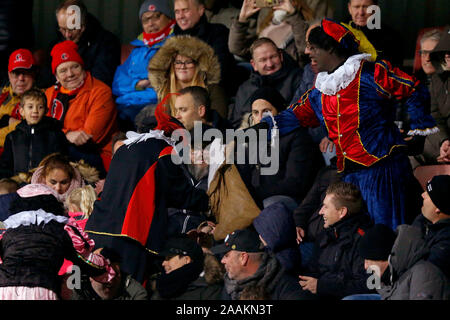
(8, 103)
(412, 277)
(306, 215)
(208, 286)
(5, 201)
(299, 162)
(100, 50)
(215, 35)
(183, 220)
(207, 63)
(34, 245)
(439, 88)
(286, 81)
(271, 276)
(92, 110)
(276, 226)
(337, 264)
(130, 290)
(242, 35)
(437, 237)
(307, 82)
(26, 146)
(130, 100)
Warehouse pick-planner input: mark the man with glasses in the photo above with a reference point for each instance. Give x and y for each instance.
(191, 20)
(131, 85)
(99, 48)
(21, 76)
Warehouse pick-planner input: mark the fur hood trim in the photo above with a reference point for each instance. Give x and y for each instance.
(192, 47)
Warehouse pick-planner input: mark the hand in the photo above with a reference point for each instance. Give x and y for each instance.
(300, 234)
(285, 5)
(12, 121)
(143, 84)
(326, 144)
(78, 137)
(308, 283)
(248, 9)
(99, 186)
(444, 152)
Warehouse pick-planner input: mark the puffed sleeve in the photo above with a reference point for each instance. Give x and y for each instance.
(392, 82)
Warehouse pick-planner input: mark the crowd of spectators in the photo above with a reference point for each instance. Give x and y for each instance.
(104, 176)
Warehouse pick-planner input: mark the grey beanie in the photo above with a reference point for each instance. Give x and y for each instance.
(163, 6)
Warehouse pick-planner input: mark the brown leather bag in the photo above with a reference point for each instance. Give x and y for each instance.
(230, 202)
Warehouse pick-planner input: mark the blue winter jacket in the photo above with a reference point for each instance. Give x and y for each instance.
(129, 100)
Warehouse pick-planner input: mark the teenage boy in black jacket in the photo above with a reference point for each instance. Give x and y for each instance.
(34, 138)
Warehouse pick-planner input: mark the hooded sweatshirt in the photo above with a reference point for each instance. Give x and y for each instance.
(413, 278)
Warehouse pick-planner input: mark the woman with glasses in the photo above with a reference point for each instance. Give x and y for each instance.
(185, 61)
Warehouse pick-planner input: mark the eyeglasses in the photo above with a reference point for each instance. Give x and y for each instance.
(186, 64)
(67, 30)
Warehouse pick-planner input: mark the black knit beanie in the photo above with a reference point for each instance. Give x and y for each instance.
(271, 95)
(377, 242)
(438, 189)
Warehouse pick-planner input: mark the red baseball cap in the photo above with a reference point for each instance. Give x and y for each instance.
(20, 59)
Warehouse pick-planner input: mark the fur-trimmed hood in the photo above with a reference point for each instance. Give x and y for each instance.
(192, 47)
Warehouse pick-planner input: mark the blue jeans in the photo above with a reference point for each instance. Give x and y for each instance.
(363, 297)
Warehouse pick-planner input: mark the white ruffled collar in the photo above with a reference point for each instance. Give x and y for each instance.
(26, 218)
(331, 83)
(134, 137)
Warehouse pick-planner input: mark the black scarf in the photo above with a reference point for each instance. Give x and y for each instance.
(61, 102)
(173, 284)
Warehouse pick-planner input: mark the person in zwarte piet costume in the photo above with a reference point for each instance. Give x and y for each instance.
(353, 98)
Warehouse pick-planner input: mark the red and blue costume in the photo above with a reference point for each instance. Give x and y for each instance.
(355, 104)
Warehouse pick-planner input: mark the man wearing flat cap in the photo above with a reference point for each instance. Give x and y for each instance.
(247, 264)
(435, 221)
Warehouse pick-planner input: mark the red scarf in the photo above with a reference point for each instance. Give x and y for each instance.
(151, 38)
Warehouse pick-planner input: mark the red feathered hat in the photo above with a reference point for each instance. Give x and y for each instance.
(340, 33)
(64, 52)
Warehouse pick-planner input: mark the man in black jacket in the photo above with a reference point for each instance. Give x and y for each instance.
(191, 20)
(337, 269)
(386, 40)
(271, 67)
(299, 158)
(435, 221)
(99, 48)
